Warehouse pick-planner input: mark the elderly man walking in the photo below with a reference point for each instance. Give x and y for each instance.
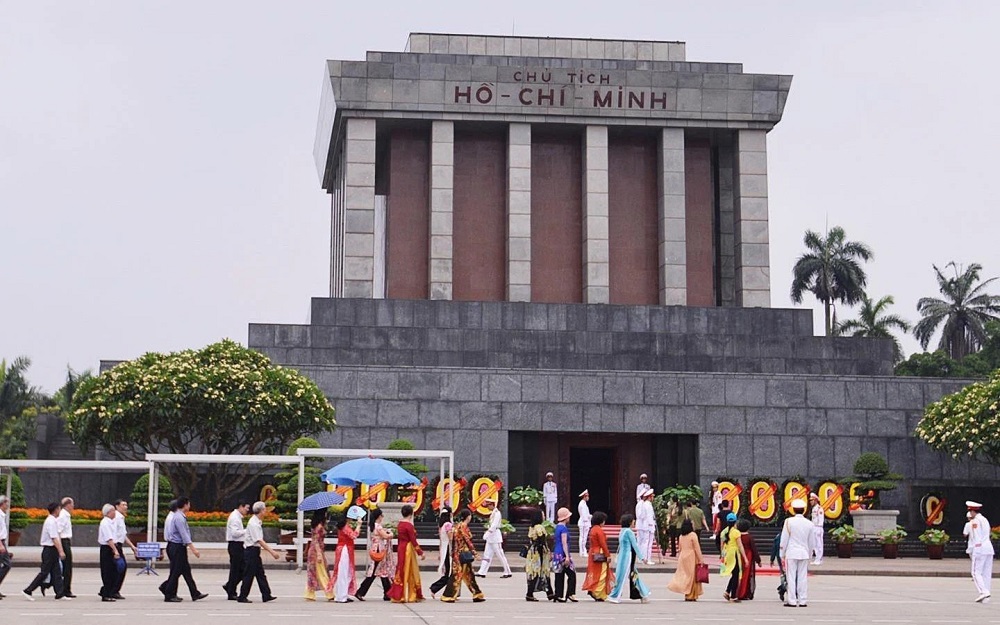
(253, 543)
(178, 535)
(796, 547)
(4, 553)
(65, 526)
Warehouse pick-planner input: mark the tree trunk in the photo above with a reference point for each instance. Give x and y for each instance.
(829, 326)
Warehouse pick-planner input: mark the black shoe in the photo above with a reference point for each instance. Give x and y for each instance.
(478, 599)
(162, 589)
(359, 597)
(232, 597)
(506, 576)
(108, 599)
(559, 600)
(72, 596)
(199, 596)
(117, 596)
(243, 600)
(480, 575)
(530, 598)
(269, 599)
(172, 600)
(386, 598)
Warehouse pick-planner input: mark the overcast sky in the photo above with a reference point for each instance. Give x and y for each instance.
(157, 188)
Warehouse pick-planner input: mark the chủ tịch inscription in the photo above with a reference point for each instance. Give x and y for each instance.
(561, 88)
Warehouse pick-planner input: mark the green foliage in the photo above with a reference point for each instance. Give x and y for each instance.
(138, 501)
(874, 322)
(934, 537)
(965, 423)
(963, 313)
(410, 465)
(18, 518)
(831, 270)
(17, 431)
(16, 393)
(844, 534)
(287, 480)
(892, 536)
(506, 527)
(222, 399)
(682, 493)
(550, 527)
(872, 471)
(525, 496)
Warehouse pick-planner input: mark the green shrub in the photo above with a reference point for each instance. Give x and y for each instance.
(138, 501)
(18, 518)
(287, 481)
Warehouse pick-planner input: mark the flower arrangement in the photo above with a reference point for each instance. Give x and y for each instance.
(995, 532)
(934, 537)
(845, 534)
(892, 536)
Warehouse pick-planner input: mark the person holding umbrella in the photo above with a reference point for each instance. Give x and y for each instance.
(318, 571)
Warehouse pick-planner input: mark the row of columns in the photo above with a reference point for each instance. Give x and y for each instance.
(749, 237)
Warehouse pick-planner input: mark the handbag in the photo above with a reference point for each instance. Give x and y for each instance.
(600, 558)
(376, 552)
(524, 551)
(466, 557)
(701, 573)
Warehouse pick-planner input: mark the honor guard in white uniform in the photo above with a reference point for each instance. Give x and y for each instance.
(645, 525)
(797, 538)
(494, 542)
(818, 516)
(551, 493)
(642, 487)
(584, 523)
(980, 549)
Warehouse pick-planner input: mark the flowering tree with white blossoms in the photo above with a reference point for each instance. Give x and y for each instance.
(222, 399)
(966, 423)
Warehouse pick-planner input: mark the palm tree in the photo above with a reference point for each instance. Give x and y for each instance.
(873, 322)
(831, 271)
(964, 311)
(15, 393)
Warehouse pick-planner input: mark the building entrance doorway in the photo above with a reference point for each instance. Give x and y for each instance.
(594, 469)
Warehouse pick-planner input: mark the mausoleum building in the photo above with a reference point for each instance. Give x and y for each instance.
(552, 254)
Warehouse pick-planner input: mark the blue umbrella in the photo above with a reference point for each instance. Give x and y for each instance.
(321, 500)
(368, 471)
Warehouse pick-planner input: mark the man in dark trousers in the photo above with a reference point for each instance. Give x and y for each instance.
(253, 542)
(52, 554)
(234, 539)
(178, 536)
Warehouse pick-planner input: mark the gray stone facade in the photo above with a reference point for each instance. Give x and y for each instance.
(809, 418)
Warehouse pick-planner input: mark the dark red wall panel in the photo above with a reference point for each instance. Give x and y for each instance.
(556, 217)
(408, 214)
(480, 215)
(632, 224)
(699, 221)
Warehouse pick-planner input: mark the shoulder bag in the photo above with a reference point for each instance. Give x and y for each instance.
(701, 573)
(376, 552)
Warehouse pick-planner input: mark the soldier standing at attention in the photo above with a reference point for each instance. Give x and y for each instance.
(551, 493)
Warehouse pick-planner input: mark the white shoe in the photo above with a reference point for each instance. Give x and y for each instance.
(981, 598)
(613, 600)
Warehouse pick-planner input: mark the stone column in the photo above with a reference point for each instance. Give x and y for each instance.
(519, 213)
(442, 194)
(596, 283)
(727, 217)
(753, 277)
(672, 211)
(359, 208)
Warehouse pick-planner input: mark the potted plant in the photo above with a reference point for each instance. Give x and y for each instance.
(935, 541)
(890, 539)
(844, 536)
(505, 528)
(523, 500)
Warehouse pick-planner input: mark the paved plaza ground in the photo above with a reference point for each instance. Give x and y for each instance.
(880, 595)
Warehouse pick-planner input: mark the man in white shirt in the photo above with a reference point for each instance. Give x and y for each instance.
(818, 516)
(494, 542)
(253, 542)
(645, 526)
(643, 487)
(234, 537)
(583, 524)
(551, 496)
(796, 546)
(122, 540)
(109, 553)
(65, 525)
(52, 553)
(4, 553)
(981, 550)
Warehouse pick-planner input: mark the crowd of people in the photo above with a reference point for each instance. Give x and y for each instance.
(549, 564)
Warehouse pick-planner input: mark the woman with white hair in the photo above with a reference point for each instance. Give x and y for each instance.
(109, 553)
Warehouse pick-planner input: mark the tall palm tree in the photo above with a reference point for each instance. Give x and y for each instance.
(964, 311)
(874, 322)
(15, 392)
(831, 270)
